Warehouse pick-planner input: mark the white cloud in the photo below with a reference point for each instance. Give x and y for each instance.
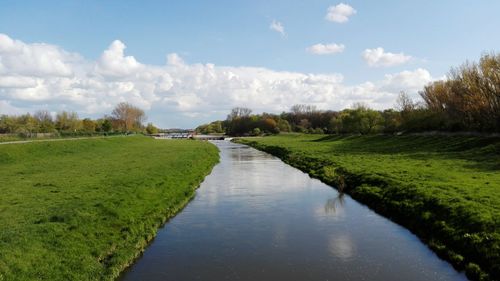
(174, 60)
(340, 13)
(278, 27)
(379, 58)
(326, 49)
(411, 81)
(7, 108)
(17, 82)
(176, 93)
(113, 62)
(37, 60)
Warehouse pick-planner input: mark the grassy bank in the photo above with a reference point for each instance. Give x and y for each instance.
(59, 136)
(444, 189)
(83, 210)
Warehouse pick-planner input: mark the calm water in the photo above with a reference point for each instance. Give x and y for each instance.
(256, 218)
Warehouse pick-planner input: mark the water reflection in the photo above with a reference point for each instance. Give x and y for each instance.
(342, 247)
(255, 218)
(335, 205)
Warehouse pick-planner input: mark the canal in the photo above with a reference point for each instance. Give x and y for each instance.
(256, 218)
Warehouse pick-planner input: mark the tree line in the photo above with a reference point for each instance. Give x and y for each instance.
(125, 118)
(468, 100)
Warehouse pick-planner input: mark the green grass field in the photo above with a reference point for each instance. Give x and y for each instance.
(84, 209)
(445, 189)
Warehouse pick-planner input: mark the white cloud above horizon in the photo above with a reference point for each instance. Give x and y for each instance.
(340, 13)
(326, 49)
(278, 27)
(378, 57)
(36, 76)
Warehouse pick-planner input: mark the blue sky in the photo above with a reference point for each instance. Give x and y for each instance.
(430, 36)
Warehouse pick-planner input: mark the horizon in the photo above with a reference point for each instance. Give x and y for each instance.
(187, 64)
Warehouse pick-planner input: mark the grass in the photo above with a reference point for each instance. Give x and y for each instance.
(58, 136)
(83, 210)
(444, 189)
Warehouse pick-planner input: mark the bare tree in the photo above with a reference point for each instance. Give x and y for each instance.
(130, 117)
(239, 112)
(470, 97)
(404, 103)
(298, 109)
(45, 121)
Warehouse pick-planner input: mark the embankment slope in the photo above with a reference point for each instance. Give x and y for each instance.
(84, 209)
(446, 189)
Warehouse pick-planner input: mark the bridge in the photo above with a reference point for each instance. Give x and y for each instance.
(188, 136)
(208, 137)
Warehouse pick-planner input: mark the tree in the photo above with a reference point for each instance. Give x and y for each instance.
(299, 109)
(106, 125)
(212, 128)
(88, 125)
(304, 125)
(151, 129)
(26, 125)
(269, 125)
(7, 124)
(392, 120)
(303, 113)
(404, 103)
(469, 99)
(374, 121)
(239, 121)
(335, 124)
(128, 116)
(68, 122)
(45, 121)
(284, 126)
(239, 112)
(256, 132)
(217, 127)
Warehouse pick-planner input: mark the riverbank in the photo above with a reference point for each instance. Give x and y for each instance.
(21, 141)
(16, 138)
(444, 189)
(85, 209)
(256, 218)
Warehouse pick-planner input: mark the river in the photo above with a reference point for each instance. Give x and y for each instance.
(256, 218)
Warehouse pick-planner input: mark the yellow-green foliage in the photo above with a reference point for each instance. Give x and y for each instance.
(7, 138)
(445, 189)
(82, 210)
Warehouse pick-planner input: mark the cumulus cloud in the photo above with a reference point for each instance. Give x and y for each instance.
(176, 93)
(379, 58)
(411, 81)
(113, 62)
(37, 60)
(174, 59)
(325, 49)
(340, 13)
(278, 27)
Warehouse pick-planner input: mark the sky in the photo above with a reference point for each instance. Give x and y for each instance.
(189, 62)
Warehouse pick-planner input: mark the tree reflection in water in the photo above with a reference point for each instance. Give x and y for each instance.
(333, 204)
